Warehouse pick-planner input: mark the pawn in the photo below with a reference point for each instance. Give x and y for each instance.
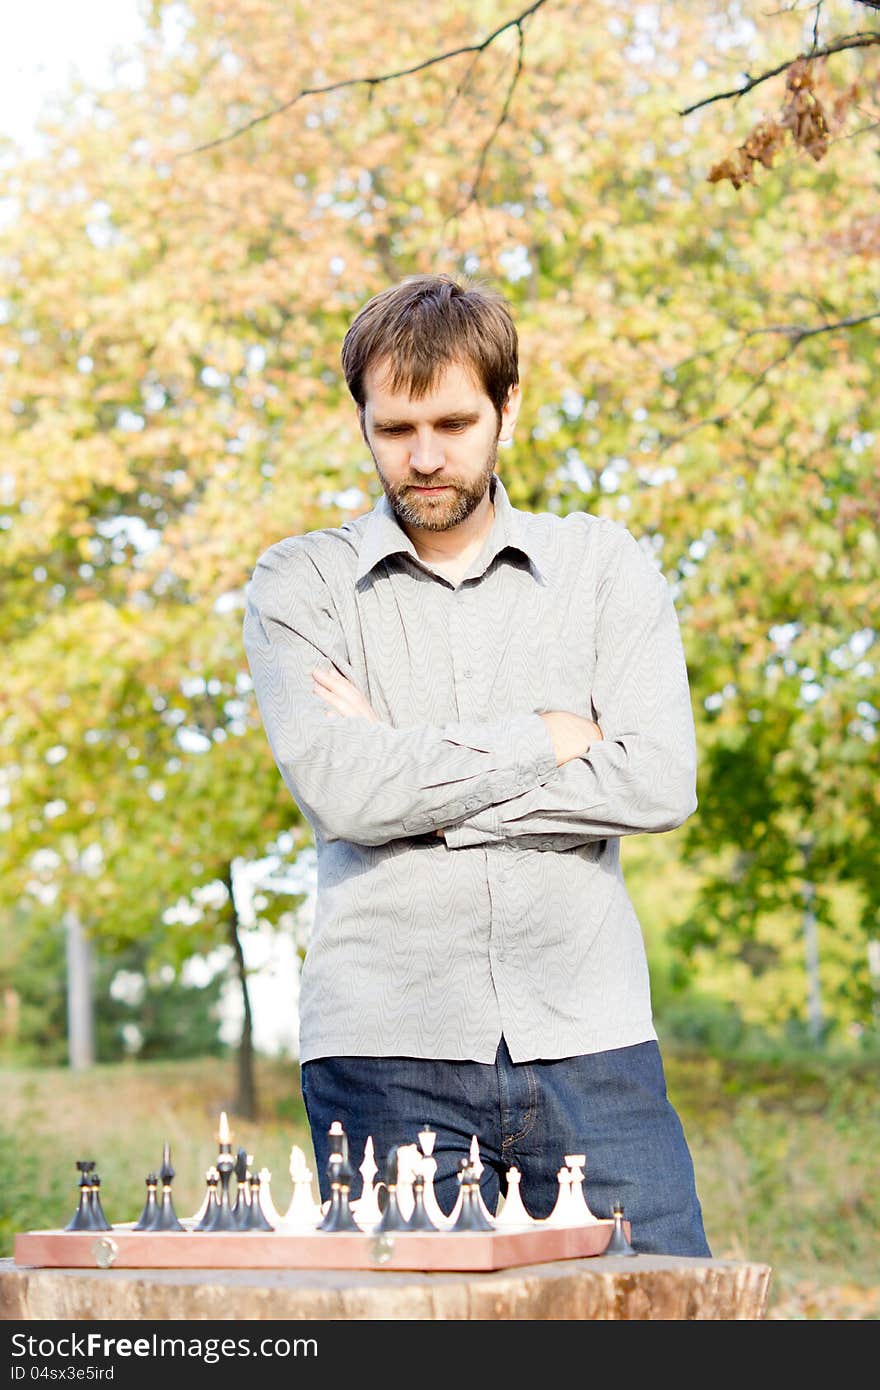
(339, 1216)
(210, 1208)
(473, 1215)
(580, 1212)
(393, 1218)
(99, 1220)
(167, 1216)
(420, 1219)
(618, 1244)
(241, 1205)
(257, 1220)
(267, 1205)
(224, 1219)
(150, 1214)
(513, 1214)
(561, 1215)
(82, 1217)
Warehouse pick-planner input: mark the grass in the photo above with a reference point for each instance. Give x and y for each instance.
(785, 1157)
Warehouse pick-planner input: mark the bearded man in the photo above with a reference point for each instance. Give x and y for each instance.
(471, 704)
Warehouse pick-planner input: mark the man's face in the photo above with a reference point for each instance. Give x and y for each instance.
(434, 455)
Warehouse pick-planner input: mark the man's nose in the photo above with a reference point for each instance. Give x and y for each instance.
(426, 453)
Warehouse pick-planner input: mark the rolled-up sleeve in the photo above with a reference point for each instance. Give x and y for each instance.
(641, 776)
(353, 778)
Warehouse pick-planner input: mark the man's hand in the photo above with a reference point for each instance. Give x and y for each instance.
(342, 696)
(571, 734)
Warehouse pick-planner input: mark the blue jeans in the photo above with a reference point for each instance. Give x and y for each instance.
(611, 1106)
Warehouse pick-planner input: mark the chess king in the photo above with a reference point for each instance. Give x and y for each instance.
(472, 703)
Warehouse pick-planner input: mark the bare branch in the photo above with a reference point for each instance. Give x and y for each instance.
(860, 40)
(374, 80)
(484, 153)
(796, 334)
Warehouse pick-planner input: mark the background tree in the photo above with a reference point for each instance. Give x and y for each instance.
(180, 271)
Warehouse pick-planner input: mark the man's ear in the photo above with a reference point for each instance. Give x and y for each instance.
(509, 413)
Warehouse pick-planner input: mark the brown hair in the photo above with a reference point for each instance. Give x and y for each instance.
(421, 325)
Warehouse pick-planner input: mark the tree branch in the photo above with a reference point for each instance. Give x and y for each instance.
(861, 40)
(797, 334)
(374, 80)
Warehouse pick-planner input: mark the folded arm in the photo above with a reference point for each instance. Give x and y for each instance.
(641, 775)
(355, 778)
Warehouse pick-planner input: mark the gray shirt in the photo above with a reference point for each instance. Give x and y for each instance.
(519, 920)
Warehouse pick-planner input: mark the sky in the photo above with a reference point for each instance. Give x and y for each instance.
(48, 42)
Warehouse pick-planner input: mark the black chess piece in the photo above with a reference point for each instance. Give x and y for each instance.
(150, 1214)
(82, 1217)
(338, 1140)
(618, 1244)
(224, 1219)
(167, 1219)
(339, 1216)
(420, 1220)
(471, 1217)
(212, 1206)
(99, 1220)
(241, 1205)
(392, 1218)
(257, 1219)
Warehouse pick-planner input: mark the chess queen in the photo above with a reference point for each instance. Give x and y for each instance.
(472, 702)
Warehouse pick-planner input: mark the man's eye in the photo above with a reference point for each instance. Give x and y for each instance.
(393, 429)
(455, 425)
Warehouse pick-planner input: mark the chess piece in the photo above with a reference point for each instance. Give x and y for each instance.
(367, 1211)
(150, 1214)
(82, 1219)
(167, 1220)
(304, 1213)
(580, 1212)
(241, 1205)
(99, 1220)
(408, 1159)
(339, 1215)
(210, 1208)
(267, 1206)
(338, 1140)
(393, 1218)
(420, 1220)
(513, 1214)
(428, 1167)
(256, 1220)
(561, 1215)
(224, 1219)
(472, 1214)
(618, 1244)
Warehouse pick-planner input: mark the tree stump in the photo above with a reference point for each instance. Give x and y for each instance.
(603, 1288)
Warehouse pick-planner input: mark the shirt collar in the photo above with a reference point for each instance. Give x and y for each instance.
(511, 529)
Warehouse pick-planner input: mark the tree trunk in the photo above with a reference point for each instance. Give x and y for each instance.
(246, 1100)
(80, 1007)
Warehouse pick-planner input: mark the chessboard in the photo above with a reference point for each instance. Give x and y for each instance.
(124, 1248)
(394, 1224)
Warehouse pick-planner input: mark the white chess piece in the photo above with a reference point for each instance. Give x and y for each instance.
(513, 1214)
(477, 1165)
(562, 1215)
(366, 1209)
(428, 1169)
(580, 1211)
(272, 1215)
(194, 1220)
(304, 1212)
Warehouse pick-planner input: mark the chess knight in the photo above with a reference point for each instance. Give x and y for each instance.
(472, 702)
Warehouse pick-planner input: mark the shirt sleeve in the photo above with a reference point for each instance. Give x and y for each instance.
(641, 776)
(355, 779)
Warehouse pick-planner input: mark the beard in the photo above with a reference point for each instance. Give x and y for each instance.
(445, 510)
